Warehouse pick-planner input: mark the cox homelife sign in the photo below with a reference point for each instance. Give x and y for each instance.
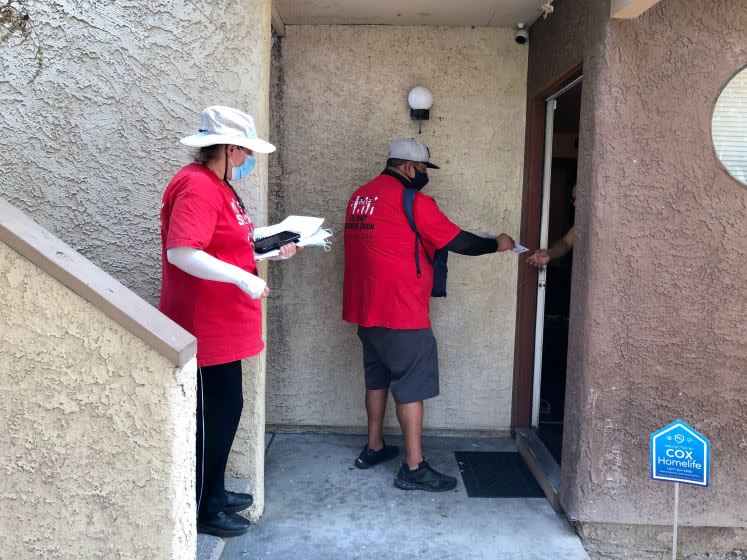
(680, 454)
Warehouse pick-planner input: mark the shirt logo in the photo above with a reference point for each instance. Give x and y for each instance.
(241, 216)
(361, 209)
(363, 205)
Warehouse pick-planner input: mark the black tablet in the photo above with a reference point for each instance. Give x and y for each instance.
(272, 242)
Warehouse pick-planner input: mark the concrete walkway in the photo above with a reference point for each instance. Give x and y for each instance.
(320, 507)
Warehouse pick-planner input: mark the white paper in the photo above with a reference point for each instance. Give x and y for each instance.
(305, 226)
(271, 255)
(319, 239)
(519, 249)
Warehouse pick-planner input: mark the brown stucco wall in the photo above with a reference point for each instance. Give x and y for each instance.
(96, 430)
(558, 43)
(658, 306)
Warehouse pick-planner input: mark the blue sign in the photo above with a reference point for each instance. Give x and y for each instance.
(680, 454)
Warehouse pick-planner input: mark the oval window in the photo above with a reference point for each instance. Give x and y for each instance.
(729, 127)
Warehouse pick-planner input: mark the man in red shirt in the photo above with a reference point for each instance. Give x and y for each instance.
(388, 299)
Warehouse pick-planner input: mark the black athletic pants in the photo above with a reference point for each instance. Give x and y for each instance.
(219, 403)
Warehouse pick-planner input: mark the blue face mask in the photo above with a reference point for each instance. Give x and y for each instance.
(243, 171)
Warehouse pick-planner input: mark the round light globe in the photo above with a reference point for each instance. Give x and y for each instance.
(420, 98)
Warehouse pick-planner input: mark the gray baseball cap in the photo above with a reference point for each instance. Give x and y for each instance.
(411, 150)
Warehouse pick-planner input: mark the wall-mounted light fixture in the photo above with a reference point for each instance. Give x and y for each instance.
(420, 100)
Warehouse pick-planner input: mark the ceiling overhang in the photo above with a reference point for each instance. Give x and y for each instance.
(478, 13)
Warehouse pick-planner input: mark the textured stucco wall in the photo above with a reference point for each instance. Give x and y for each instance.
(658, 317)
(248, 454)
(88, 147)
(558, 43)
(340, 100)
(97, 460)
(605, 541)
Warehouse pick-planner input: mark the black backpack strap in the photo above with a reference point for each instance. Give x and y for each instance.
(408, 200)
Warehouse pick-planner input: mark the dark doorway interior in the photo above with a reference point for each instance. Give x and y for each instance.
(559, 271)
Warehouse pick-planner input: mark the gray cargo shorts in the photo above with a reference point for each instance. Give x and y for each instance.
(405, 361)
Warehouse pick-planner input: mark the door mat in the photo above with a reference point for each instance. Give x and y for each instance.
(488, 474)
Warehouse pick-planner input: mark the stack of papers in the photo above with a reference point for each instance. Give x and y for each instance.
(309, 228)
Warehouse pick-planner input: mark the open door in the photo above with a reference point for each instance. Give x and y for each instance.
(562, 119)
(543, 295)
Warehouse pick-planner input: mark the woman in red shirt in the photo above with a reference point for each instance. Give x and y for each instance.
(210, 287)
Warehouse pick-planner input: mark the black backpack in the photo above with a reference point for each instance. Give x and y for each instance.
(438, 262)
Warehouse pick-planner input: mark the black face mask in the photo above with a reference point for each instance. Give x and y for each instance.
(420, 180)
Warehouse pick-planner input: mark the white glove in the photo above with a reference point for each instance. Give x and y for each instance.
(200, 264)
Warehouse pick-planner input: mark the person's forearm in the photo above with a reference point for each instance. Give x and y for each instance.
(200, 264)
(558, 249)
(466, 243)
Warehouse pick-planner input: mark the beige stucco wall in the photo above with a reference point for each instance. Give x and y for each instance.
(88, 147)
(248, 453)
(339, 101)
(95, 427)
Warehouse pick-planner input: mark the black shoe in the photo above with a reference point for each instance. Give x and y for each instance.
(236, 502)
(223, 525)
(368, 458)
(424, 478)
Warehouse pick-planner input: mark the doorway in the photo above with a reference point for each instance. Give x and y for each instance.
(563, 112)
(543, 294)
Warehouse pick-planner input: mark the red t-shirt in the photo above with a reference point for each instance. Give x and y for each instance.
(381, 287)
(201, 211)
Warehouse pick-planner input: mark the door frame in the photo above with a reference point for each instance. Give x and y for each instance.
(529, 235)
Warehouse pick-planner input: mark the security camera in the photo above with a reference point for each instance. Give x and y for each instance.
(522, 35)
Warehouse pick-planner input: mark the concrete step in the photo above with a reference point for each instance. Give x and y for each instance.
(208, 546)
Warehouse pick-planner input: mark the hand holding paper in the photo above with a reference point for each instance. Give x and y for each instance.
(505, 242)
(302, 225)
(309, 229)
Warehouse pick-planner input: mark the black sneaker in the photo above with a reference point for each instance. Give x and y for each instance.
(368, 458)
(223, 525)
(424, 478)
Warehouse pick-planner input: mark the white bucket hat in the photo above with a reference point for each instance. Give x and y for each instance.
(225, 125)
